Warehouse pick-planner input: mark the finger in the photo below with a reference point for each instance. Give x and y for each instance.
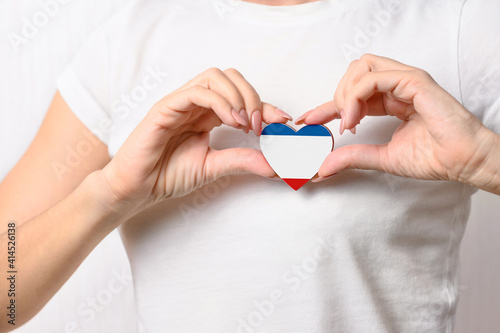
(218, 81)
(368, 88)
(320, 115)
(230, 87)
(236, 161)
(172, 109)
(371, 63)
(365, 157)
(300, 120)
(341, 87)
(251, 98)
(272, 114)
(214, 79)
(255, 111)
(247, 108)
(358, 69)
(380, 63)
(355, 69)
(251, 112)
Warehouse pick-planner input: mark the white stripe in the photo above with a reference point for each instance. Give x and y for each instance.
(295, 156)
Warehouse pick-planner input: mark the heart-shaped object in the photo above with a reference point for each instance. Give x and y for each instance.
(295, 155)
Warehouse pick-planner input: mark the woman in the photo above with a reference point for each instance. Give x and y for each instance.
(364, 251)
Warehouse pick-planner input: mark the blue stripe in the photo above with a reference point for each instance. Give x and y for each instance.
(310, 130)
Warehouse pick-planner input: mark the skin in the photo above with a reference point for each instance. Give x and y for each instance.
(437, 140)
(168, 156)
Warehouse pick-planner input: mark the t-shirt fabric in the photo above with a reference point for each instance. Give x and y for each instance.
(362, 252)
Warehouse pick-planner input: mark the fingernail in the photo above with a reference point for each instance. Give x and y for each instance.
(342, 122)
(300, 120)
(282, 113)
(320, 179)
(239, 118)
(243, 115)
(353, 130)
(257, 122)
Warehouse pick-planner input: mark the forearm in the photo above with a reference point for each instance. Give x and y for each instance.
(51, 246)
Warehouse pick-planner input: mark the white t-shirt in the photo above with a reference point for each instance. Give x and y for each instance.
(362, 252)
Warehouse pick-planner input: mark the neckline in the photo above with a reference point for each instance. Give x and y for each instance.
(281, 14)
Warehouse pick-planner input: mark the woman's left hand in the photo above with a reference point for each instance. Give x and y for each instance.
(438, 138)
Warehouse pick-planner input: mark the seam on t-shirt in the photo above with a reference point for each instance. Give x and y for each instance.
(452, 299)
(458, 52)
(453, 247)
(108, 60)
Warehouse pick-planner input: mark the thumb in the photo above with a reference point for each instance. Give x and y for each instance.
(365, 157)
(234, 161)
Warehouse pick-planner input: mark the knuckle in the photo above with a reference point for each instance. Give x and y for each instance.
(367, 58)
(232, 71)
(354, 63)
(160, 104)
(338, 97)
(421, 77)
(196, 89)
(235, 98)
(253, 97)
(155, 108)
(213, 71)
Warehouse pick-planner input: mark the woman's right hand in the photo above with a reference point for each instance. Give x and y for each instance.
(168, 153)
(166, 156)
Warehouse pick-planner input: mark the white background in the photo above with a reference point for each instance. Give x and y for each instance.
(27, 84)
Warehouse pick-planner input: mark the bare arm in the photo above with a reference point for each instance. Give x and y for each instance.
(25, 190)
(60, 220)
(50, 244)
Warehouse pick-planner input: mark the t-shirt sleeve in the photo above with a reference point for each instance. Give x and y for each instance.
(85, 82)
(479, 60)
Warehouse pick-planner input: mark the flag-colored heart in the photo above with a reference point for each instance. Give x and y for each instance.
(295, 155)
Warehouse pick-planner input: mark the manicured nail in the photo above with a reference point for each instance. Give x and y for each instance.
(257, 122)
(242, 121)
(282, 113)
(243, 115)
(353, 130)
(300, 120)
(342, 122)
(320, 179)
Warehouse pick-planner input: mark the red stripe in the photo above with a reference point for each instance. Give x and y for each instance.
(295, 183)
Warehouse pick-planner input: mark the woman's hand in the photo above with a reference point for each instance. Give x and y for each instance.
(438, 138)
(168, 154)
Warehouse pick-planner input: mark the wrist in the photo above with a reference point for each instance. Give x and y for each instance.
(109, 210)
(494, 165)
(487, 175)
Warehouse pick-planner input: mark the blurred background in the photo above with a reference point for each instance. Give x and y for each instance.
(37, 39)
